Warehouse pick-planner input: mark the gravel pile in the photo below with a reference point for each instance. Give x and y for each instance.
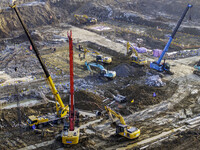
(155, 81)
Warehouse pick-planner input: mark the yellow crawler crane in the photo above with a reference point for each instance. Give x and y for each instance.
(135, 59)
(83, 19)
(121, 128)
(62, 110)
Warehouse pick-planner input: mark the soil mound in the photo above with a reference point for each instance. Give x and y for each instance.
(124, 70)
(87, 100)
(145, 96)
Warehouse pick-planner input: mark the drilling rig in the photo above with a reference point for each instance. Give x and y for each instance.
(70, 133)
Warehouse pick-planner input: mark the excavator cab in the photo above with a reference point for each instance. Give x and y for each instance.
(134, 58)
(98, 57)
(106, 60)
(103, 72)
(127, 131)
(92, 20)
(120, 128)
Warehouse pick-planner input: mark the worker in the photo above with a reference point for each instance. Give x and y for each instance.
(31, 48)
(80, 47)
(154, 94)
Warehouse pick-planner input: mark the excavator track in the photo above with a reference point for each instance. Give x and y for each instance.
(196, 72)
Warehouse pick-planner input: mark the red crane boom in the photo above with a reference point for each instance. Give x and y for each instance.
(71, 115)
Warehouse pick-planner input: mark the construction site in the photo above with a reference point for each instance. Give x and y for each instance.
(95, 75)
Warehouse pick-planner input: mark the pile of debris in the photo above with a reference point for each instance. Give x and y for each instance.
(155, 80)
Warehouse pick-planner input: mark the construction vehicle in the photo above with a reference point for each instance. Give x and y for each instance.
(165, 67)
(197, 69)
(121, 128)
(62, 110)
(105, 60)
(84, 19)
(103, 72)
(120, 98)
(70, 133)
(136, 60)
(99, 58)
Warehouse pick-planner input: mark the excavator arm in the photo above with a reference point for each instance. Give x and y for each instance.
(111, 112)
(64, 109)
(94, 65)
(129, 46)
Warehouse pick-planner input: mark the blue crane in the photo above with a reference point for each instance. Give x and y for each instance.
(165, 66)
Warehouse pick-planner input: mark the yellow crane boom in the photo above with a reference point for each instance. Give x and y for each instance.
(63, 110)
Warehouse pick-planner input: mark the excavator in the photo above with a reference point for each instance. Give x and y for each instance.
(136, 60)
(70, 133)
(62, 110)
(103, 59)
(121, 128)
(165, 67)
(84, 19)
(103, 72)
(99, 58)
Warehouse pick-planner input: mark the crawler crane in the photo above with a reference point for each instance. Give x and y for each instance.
(165, 67)
(62, 110)
(121, 128)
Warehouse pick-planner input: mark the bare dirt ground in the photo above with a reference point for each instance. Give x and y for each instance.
(168, 120)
